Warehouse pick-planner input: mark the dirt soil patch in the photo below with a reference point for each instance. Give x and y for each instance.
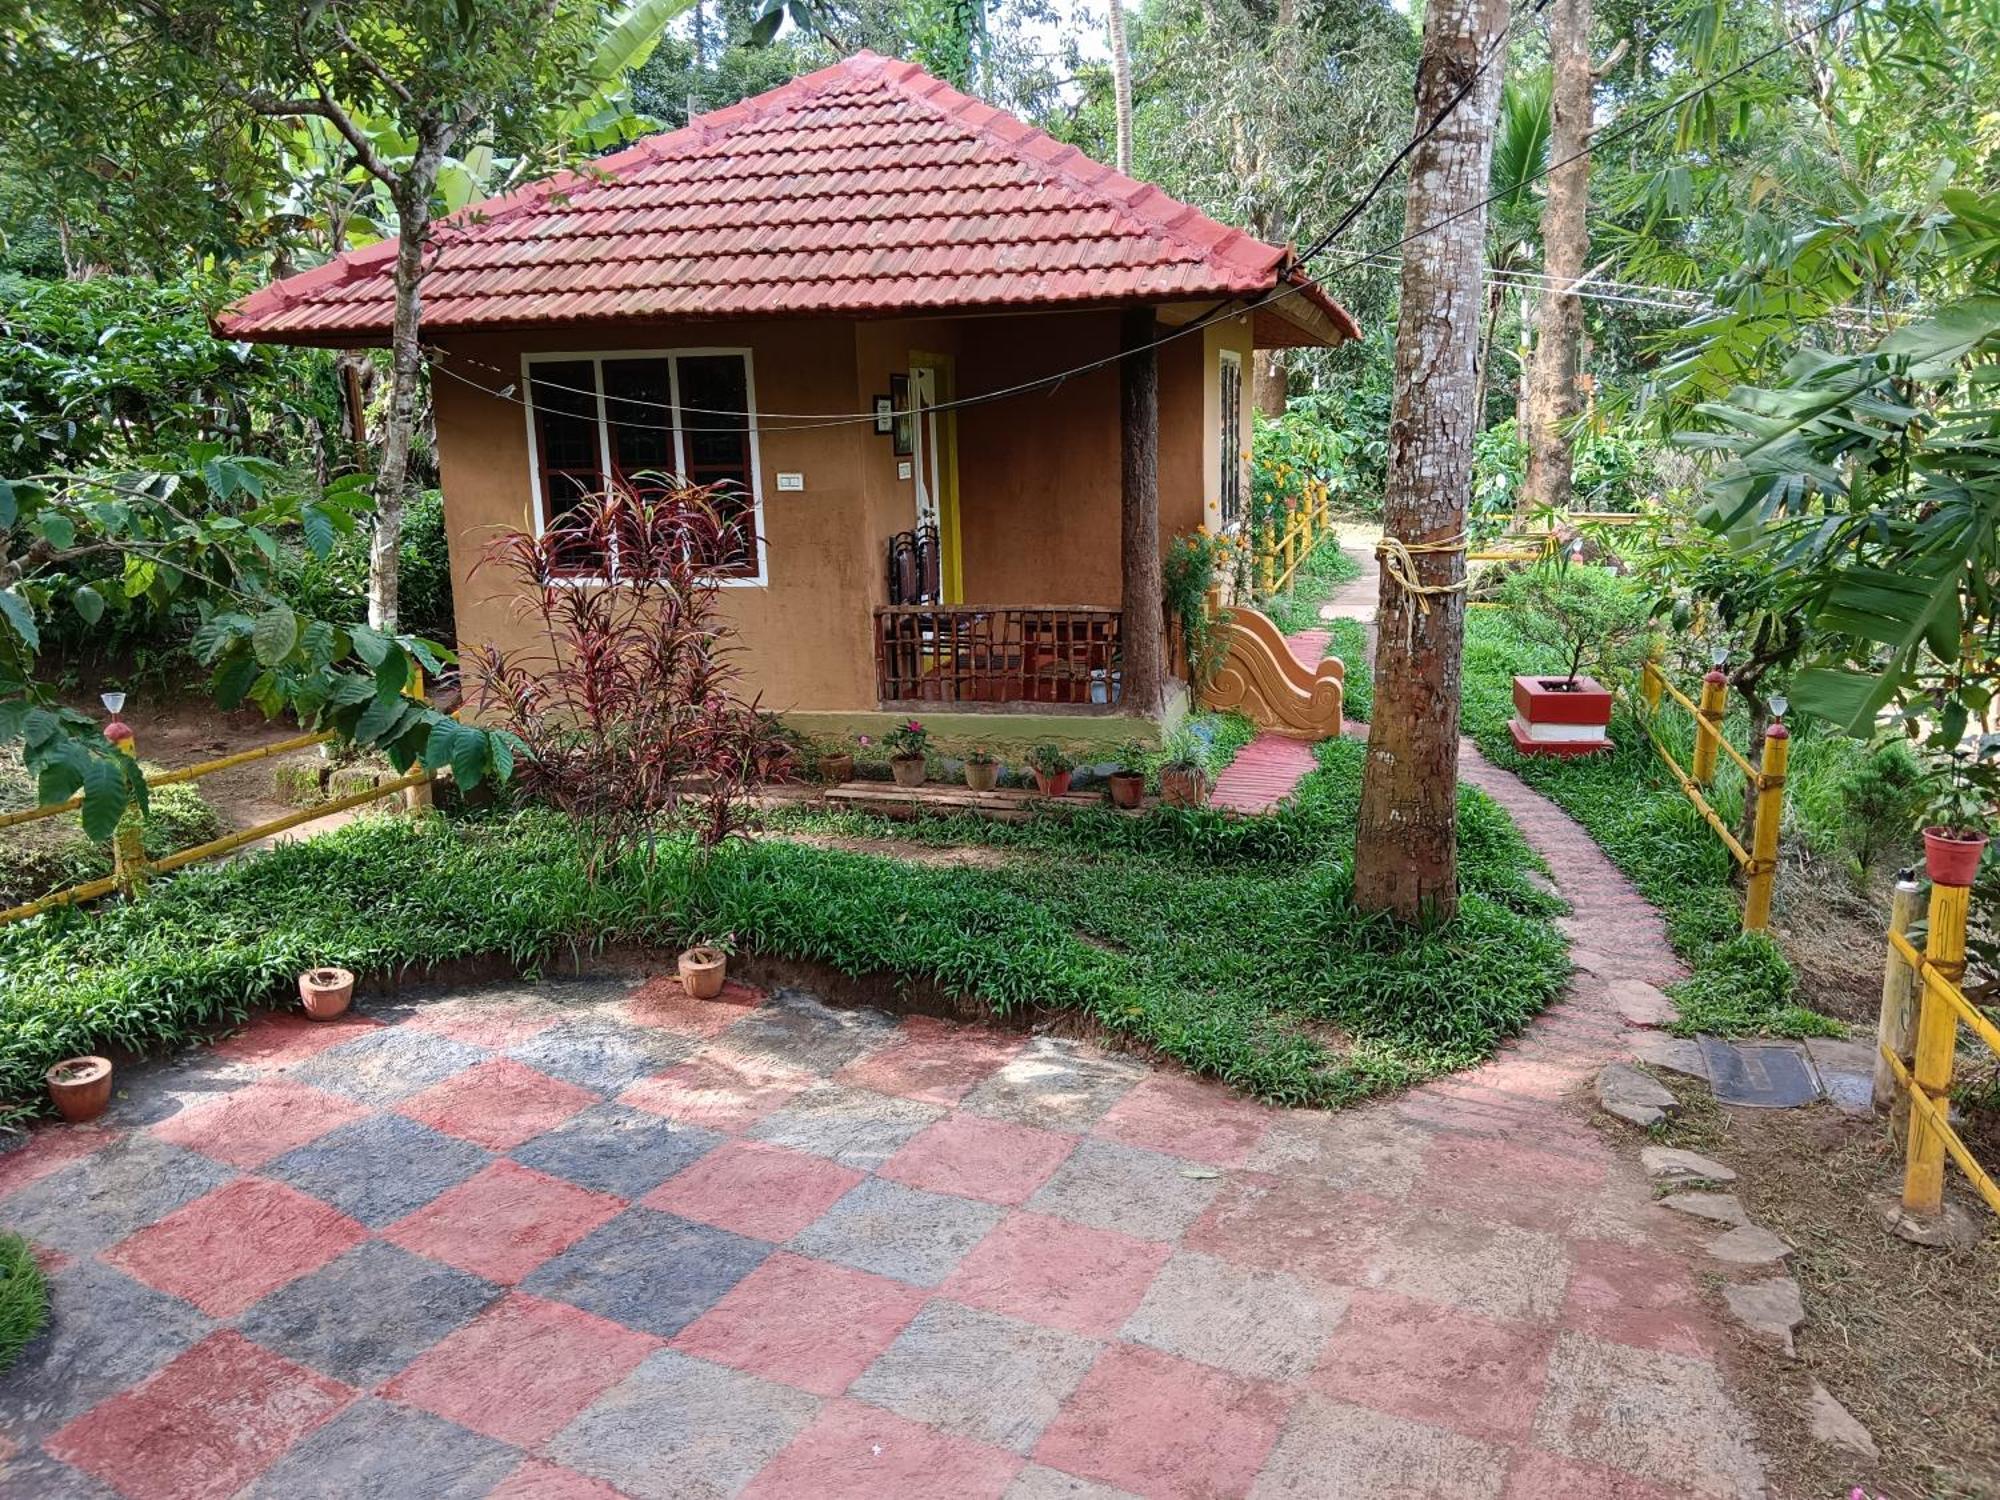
(1906, 1338)
(940, 856)
(1834, 936)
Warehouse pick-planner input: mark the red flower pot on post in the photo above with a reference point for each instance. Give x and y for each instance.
(1560, 715)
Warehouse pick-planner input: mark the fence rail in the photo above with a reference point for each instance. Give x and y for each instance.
(1760, 861)
(133, 868)
(1536, 545)
(1279, 549)
(1024, 653)
(1923, 1008)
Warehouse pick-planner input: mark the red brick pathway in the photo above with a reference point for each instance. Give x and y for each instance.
(1267, 769)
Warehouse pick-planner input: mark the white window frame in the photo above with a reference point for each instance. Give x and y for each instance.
(597, 357)
(1231, 453)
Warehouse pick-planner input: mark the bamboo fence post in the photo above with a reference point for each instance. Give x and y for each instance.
(418, 798)
(1897, 1031)
(1937, 1041)
(1708, 724)
(1291, 545)
(1651, 683)
(1267, 558)
(1764, 837)
(128, 840)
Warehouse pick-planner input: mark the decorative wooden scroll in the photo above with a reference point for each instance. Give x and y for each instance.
(1261, 679)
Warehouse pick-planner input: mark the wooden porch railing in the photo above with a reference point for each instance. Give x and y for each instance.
(1027, 653)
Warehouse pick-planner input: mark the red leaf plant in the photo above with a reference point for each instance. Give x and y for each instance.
(628, 702)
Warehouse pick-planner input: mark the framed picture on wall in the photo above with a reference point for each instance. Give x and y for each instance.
(899, 404)
(885, 415)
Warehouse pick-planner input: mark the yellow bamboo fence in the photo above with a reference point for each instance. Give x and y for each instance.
(1923, 1008)
(131, 868)
(1760, 861)
(1279, 548)
(1532, 546)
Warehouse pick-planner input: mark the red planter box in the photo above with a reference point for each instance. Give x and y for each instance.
(1554, 716)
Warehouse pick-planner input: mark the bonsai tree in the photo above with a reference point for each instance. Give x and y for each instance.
(1586, 614)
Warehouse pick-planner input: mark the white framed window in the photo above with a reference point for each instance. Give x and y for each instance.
(613, 418)
(1229, 408)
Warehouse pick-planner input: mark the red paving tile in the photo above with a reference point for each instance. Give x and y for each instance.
(1633, 1295)
(664, 1003)
(496, 1026)
(257, 1123)
(750, 1187)
(280, 1039)
(854, 1452)
(933, 1060)
(1291, 1223)
(522, 1369)
(537, 1480)
(1163, 1427)
(504, 1222)
(497, 1104)
(50, 1147)
(228, 1249)
(1058, 1274)
(1505, 1182)
(803, 1322)
(1186, 1117)
(1435, 1365)
(203, 1426)
(718, 1090)
(993, 1160)
(1264, 773)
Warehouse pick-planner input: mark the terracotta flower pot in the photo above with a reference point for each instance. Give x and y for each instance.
(80, 1088)
(704, 971)
(982, 776)
(1560, 716)
(1951, 860)
(1053, 783)
(1183, 787)
(1128, 788)
(907, 769)
(834, 769)
(325, 993)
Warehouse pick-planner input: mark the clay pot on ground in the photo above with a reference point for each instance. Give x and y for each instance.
(834, 769)
(1560, 716)
(982, 776)
(1128, 788)
(1183, 786)
(1053, 783)
(907, 769)
(704, 971)
(325, 993)
(1950, 859)
(80, 1088)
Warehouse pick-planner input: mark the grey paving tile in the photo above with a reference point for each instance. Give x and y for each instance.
(379, 1169)
(97, 1200)
(1261, 1323)
(1138, 1192)
(855, 1127)
(615, 1149)
(899, 1232)
(600, 1052)
(387, 1064)
(376, 1450)
(1056, 1084)
(651, 1271)
(796, 1029)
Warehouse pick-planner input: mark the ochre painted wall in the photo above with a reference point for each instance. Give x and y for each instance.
(1038, 473)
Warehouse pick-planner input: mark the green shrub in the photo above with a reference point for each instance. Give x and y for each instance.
(1880, 797)
(46, 856)
(1320, 572)
(24, 1298)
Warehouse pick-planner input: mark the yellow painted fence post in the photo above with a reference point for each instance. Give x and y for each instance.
(1651, 683)
(1937, 1042)
(1708, 724)
(1770, 818)
(1267, 559)
(128, 840)
(1897, 1030)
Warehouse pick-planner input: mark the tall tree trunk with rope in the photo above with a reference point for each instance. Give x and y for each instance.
(1552, 400)
(1406, 834)
(1121, 86)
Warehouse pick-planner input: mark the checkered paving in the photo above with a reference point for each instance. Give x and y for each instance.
(603, 1240)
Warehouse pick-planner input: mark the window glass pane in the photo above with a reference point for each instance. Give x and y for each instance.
(1230, 406)
(638, 407)
(565, 402)
(715, 429)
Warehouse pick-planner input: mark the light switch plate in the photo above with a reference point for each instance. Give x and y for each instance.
(791, 481)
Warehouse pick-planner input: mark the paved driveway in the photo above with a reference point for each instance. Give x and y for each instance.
(590, 1239)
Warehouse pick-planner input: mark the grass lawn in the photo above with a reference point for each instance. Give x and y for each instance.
(1348, 640)
(1741, 984)
(1228, 945)
(1319, 573)
(24, 1298)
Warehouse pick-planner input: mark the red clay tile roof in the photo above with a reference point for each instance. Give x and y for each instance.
(867, 188)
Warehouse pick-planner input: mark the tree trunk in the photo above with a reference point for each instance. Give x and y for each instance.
(413, 211)
(1406, 844)
(1121, 87)
(1269, 373)
(1143, 628)
(1551, 403)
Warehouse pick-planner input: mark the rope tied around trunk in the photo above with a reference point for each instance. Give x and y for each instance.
(1399, 561)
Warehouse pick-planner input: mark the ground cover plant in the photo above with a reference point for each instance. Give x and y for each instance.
(41, 857)
(1320, 572)
(1628, 801)
(1348, 640)
(1228, 945)
(24, 1298)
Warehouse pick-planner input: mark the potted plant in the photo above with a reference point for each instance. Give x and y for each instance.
(1583, 614)
(1128, 782)
(704, 969)
(1957, 823)
(326, 991)
(982, 771)
(80, 1087)
(1052, 770)
(1184, 778)
(907, 743)
(837, 766)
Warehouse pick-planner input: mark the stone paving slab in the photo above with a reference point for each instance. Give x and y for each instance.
(591, 1240)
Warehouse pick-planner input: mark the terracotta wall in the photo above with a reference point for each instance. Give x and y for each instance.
(1038, 474)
